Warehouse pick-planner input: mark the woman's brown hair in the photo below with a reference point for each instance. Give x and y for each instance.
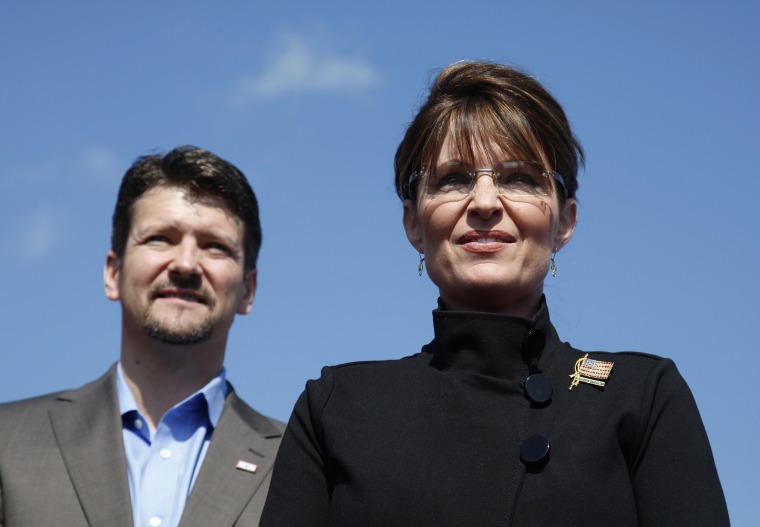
(484, 105)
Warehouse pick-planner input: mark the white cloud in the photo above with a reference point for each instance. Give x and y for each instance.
(94, 164)
(101, 164)
(28, 176)
(38, 233)
(299, 65)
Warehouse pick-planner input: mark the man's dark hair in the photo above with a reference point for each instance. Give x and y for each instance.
(201, 174)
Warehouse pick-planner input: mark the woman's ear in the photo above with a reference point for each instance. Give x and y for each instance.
(412, 226)
(568, 219)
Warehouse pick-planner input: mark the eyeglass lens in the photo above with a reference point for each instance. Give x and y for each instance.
(518, 180)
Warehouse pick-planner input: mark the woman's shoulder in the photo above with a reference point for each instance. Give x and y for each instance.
(624, 369)
(365, 374)
(374, 368)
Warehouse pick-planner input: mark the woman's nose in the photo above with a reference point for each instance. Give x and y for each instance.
(485, 195)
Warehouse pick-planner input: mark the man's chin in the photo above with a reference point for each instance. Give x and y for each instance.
(178, 336)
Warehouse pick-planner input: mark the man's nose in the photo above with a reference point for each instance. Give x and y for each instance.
(186, 261)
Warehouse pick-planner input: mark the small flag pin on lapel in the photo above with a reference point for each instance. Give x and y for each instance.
(248, 467)
(591, 371)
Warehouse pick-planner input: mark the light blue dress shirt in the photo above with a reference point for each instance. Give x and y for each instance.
(164, 463)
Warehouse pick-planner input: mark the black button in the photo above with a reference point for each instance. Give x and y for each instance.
(534, 450)
(538, 388)
(533, 345)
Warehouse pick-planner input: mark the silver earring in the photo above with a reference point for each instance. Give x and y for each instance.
(553, 265)
(421, 267)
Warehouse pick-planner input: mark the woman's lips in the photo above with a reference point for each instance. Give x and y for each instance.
(485, 242)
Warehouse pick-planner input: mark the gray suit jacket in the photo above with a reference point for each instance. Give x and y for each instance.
(62, 463)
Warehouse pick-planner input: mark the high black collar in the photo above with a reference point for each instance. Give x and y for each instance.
(490, 344)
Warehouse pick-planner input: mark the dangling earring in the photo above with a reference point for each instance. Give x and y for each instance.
(421, 267)
(553, 265)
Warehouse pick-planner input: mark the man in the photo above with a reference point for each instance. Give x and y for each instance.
(161, 439)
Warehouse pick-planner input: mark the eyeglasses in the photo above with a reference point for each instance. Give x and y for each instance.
(514, 180)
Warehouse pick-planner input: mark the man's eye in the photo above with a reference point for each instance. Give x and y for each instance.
(218, 248)
(157, 239)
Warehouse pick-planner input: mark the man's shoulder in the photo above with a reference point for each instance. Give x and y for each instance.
(44, 402)
(251, 418)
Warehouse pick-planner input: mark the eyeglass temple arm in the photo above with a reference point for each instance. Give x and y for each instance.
(561, 180)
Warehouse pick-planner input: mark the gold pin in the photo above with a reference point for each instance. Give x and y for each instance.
(591, 371)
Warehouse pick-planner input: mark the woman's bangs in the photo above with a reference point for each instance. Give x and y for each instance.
(483, 134)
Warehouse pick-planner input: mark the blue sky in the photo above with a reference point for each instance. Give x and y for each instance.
(310, 100)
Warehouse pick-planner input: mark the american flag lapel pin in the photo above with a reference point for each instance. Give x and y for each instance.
(591, 371)
(247, 467)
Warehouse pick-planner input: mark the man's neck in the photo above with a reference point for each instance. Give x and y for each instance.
(162, 375)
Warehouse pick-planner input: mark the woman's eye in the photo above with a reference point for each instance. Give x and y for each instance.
(517, 179)
(454, 180)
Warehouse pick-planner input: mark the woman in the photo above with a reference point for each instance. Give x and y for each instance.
(496, 421)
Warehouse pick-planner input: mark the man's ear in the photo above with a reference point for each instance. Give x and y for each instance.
(568, 219)
(249, 291)
(111, 273)
(412, 226)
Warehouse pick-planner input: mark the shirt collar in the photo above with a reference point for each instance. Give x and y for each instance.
(214, 392)
(490, 344)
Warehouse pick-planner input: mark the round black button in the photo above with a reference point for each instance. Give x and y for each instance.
(535, 449)
(534, 343)
(538, 388)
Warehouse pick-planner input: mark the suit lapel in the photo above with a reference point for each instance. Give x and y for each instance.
(223, 490)
(87, 427)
